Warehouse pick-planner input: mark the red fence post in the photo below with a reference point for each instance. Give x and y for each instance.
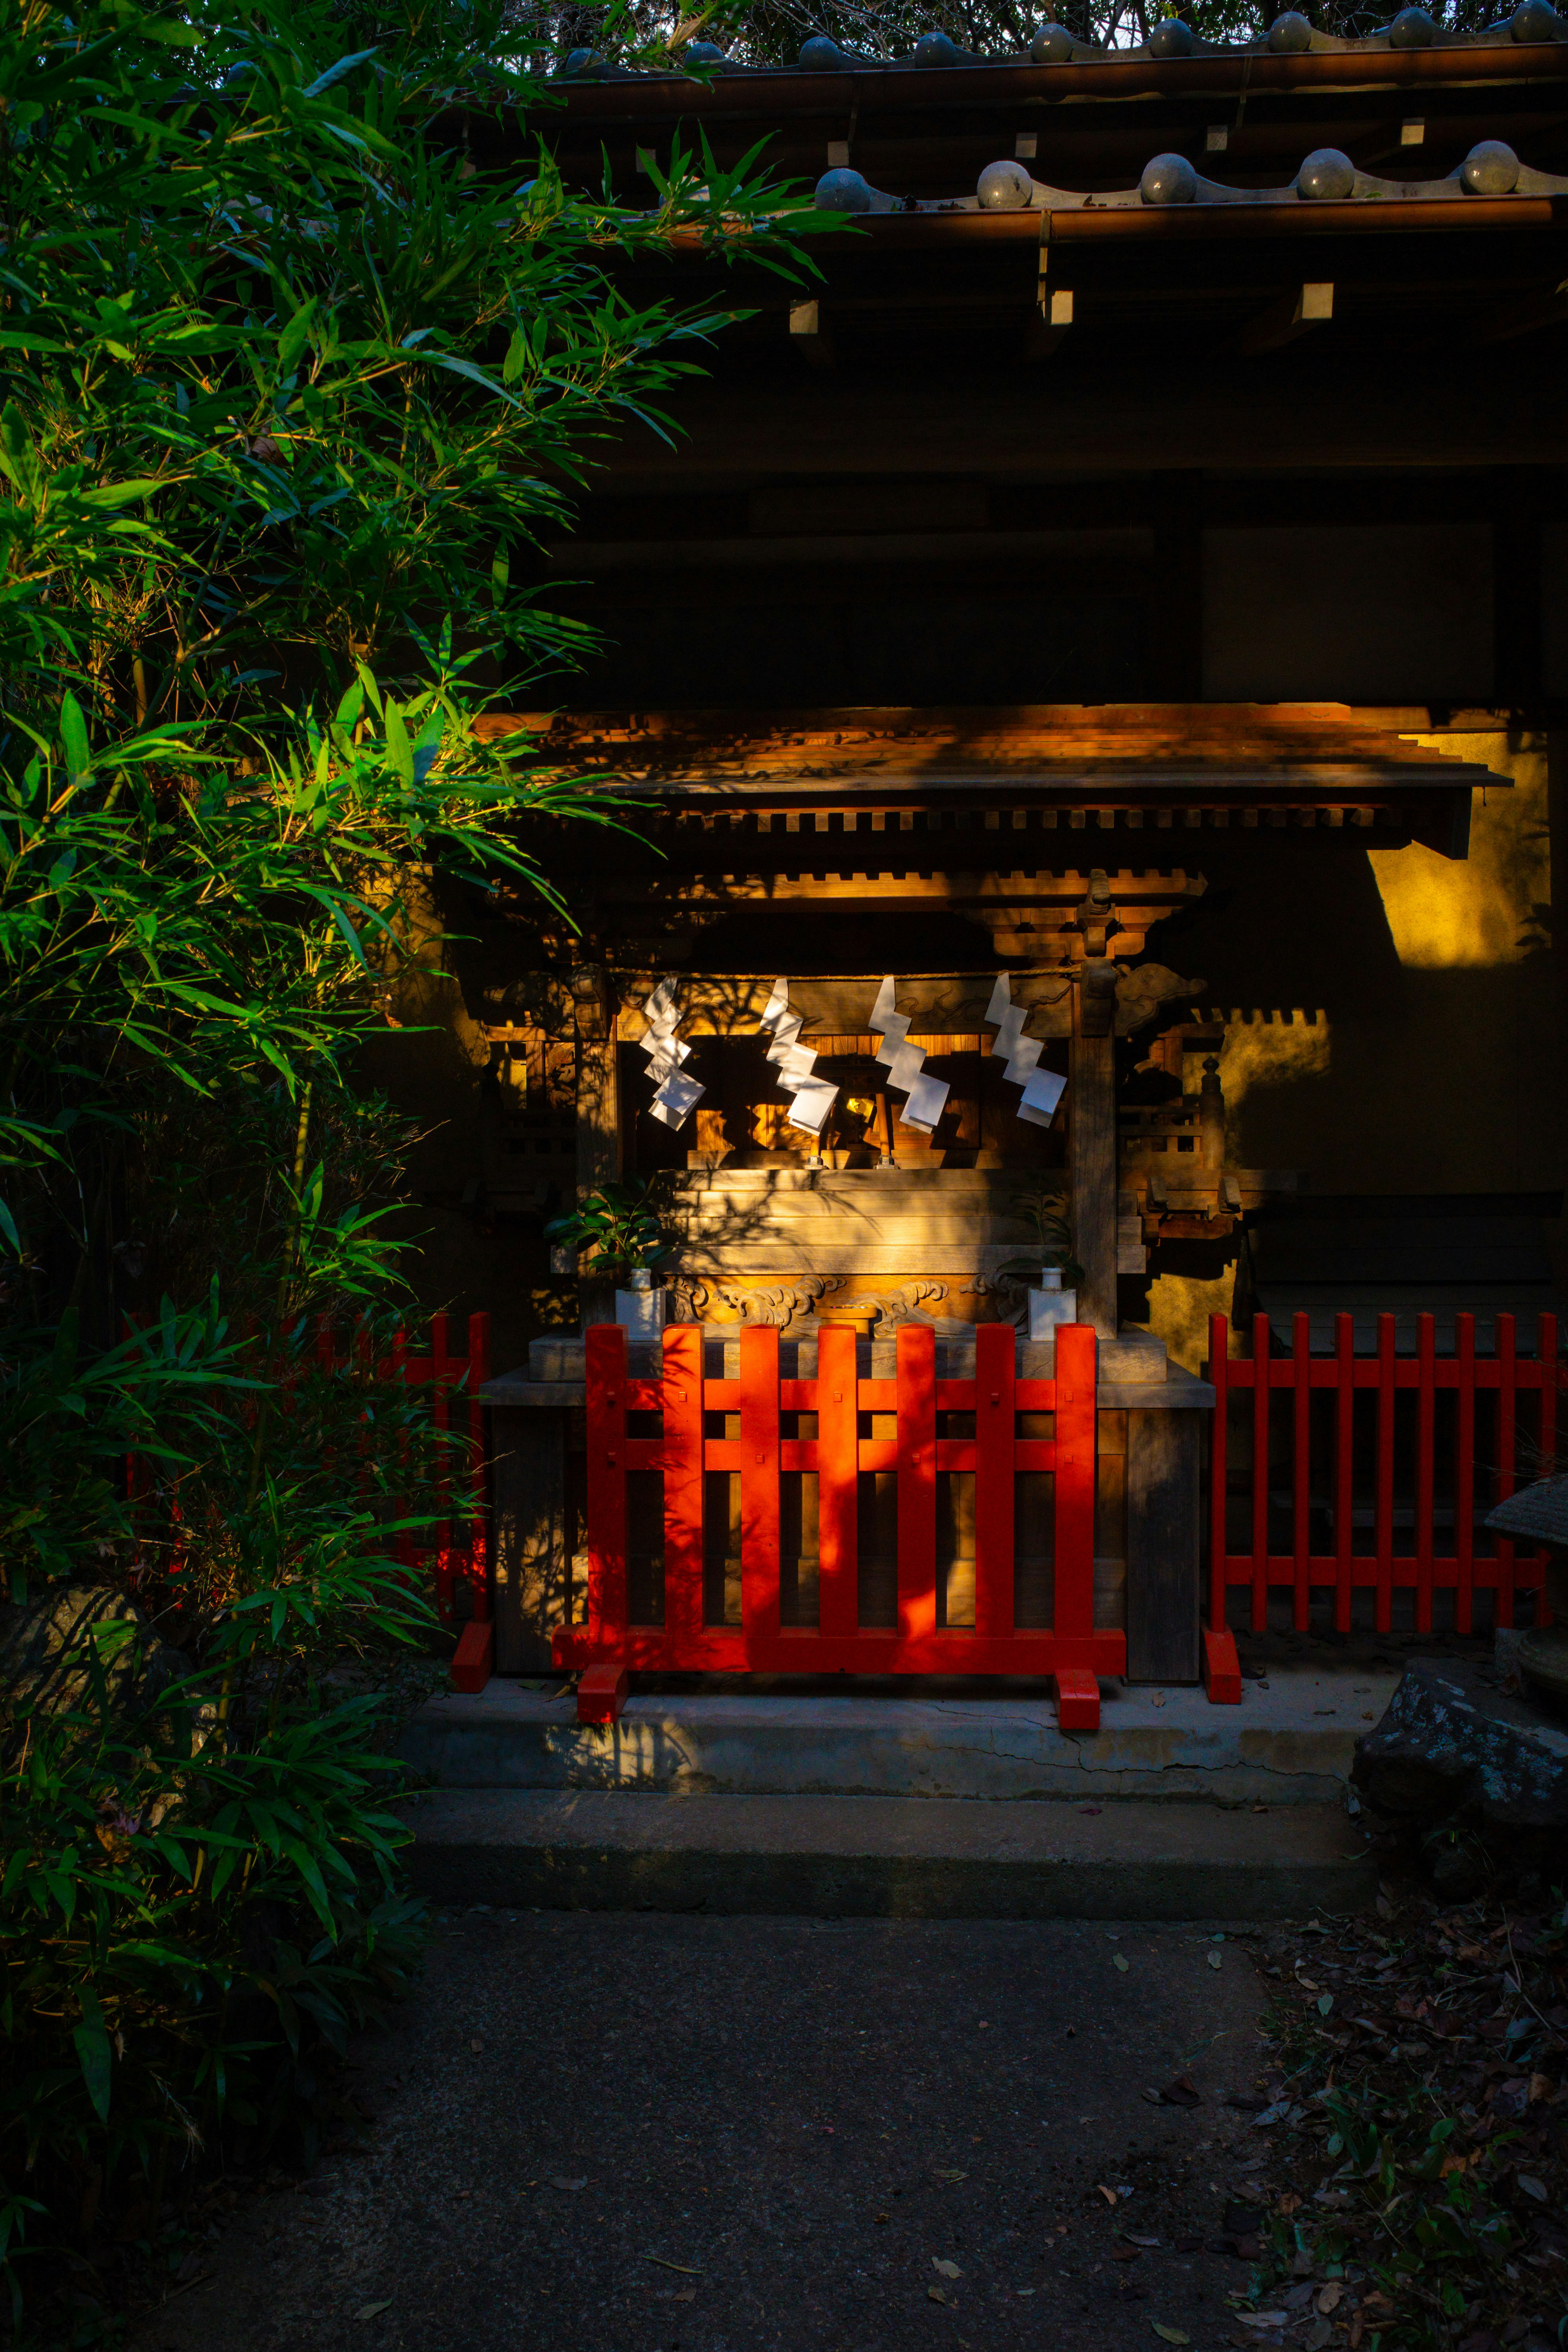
(1077, 1691)
(1222, 1668)
(1506, 1441)
(996, 1423)
(1260, 1395)
(1384, 1509)
(1300, 1470)
(1426, 1466)
(1465, 1475)
(916, 1481)
(600, 1692)
(759, 1485)
(1344, 1469)
(683, 1484)
(837, 1482)
(1546, 1357)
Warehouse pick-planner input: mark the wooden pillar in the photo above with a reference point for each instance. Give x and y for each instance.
(598, 1114)
(529, 1474)
(1092, 1144)
(1164, 1575)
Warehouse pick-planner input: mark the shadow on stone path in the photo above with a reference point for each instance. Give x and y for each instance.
(657, 2133)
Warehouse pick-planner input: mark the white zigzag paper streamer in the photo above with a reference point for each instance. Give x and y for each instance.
(1043, 1089)
(811, 1098)
(675, 1094)
(925, 1097)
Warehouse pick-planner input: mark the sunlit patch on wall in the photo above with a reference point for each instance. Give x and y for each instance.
(1480, 909)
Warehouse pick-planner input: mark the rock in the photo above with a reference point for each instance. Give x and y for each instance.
(45, 1647)
(1468, 1768)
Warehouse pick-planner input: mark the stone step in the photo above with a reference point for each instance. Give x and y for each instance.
(883, 1857)
(1289, 1744)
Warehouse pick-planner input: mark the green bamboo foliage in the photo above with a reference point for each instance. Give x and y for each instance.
(297, 367)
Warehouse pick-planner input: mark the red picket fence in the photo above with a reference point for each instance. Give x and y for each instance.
(1370, 1460)
(1072, 1652)
(455, 1551)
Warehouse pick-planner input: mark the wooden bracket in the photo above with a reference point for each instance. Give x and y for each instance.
(1222, 1669)
(1309, 306)
(811, 334)
(470, 1669)
(602, 1694)
(1048, 326)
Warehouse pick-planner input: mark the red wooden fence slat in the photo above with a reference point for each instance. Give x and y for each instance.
(1344, 1468)
(1425, 1431)
(1219, 1370)
(1075, 1444)
(1384, 1504)
(683, 1482)
(606, 1470)
(1464, 1473)
(1300, 1471)
(916, 1481)
(996, 1487)
(759, 1485)
(1546, 1358)
(1260, 1395)
(1506, 1368)
(837, 1482)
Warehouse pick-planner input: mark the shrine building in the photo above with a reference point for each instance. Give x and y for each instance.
(1093, 661)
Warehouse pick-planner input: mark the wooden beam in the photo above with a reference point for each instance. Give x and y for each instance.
(1048, 326)
(810, 333)
(1312, 305)
(1511, 319)
(1516, 585)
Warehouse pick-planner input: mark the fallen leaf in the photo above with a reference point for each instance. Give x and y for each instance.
(1325, 2003)
(1082, 1808)
(1108, 2194)
(687, 2270)
(1531, 2187)
(1026, 2290)
(1154, 2097)
(953, 2176)
(679, 2295)
(374, 2310)
(1213, 1959)
(1120, 1961)
(555, 2180)
(1539, 2087)
(1123, 2253)
(937, 2295)
(1158, 1699)
(475, 2047)
(1329, 2298)
(1168, 2335)
(1289, 2203)
(1386, 1910)
(1183, 2092)
(947, 2270)
(1262, 2318)
(1133, 2239)
(881, 2216)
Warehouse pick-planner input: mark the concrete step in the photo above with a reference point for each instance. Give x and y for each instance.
(887, 1857)
(1289, 1742)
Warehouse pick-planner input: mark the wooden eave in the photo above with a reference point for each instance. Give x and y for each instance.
(755, 782)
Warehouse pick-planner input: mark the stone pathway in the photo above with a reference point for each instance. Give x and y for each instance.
(657, 2133)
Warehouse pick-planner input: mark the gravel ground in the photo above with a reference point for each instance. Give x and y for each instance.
(657, 2133)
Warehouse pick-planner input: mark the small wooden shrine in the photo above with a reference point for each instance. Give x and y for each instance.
(1105, 641)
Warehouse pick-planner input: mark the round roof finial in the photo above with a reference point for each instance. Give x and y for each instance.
(1168, 180)
(1289, 34)
(1326, 176)
(1491, 169)
(1004, 187)
(1053, 45)
(1172, 38)
(843, 191)
(704, 53)
(1535, 20)
(820, 54)
(935, 48)
(581, 64)
(1413, 29)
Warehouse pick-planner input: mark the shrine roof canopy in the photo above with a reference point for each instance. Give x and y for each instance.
(1187, 764)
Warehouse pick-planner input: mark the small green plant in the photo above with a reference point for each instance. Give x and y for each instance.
(1049, 1215)
(622, 1228)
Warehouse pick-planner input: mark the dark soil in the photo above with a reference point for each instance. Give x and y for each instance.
(697, 2135)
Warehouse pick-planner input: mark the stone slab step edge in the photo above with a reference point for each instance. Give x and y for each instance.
(886, 1858)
